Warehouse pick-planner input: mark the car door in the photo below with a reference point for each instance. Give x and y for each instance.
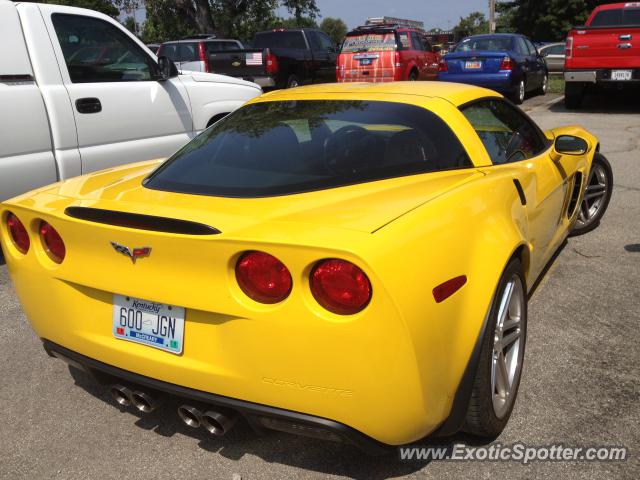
(122, 113)
(537, 62)
(431, 59)
(324, 54)
(554, 56)
(518, 147)
(418, 54)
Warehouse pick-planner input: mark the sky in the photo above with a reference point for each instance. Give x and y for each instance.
(434, 13)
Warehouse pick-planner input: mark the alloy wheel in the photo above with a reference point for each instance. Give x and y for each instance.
(594, 195)
(507, 344)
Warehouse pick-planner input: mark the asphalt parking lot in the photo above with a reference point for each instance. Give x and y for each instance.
(580, 384)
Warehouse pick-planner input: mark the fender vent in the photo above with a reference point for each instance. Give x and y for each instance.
(575, 194)
(140, 222)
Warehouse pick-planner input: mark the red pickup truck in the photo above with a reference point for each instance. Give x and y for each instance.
(603, 54)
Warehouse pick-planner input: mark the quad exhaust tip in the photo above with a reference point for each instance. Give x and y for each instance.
(216, 423)
(143, 402)
(122, 395)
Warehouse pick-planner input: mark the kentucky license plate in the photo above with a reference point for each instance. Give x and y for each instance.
(472, 65)
(153, 324)
(621, 74)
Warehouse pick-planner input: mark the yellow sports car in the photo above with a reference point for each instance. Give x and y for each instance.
(341, 261)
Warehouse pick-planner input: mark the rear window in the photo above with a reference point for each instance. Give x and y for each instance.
(222, 46)
(616, 17)
(375, 42)
(180, 52)
(293, 40)
(280, 148)
(489, 44)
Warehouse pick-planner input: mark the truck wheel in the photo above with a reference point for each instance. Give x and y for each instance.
(293, 81)
(499, 368)
(413, 76)
(597, 194)
(573, 95)
(517, 96)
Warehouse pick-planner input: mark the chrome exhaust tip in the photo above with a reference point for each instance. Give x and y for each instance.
(144, 402)
(121, 394)
(217, 423)
(191, 416)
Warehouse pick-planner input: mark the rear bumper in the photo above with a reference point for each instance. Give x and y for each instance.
(601, 76)
(256, 414)
(500, 81)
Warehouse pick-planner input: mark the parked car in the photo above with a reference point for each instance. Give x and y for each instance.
(508, 63)
(154, 47)
(194, 54)
(279, 58)
(307, 262)
(604, 54)
(79, 93)
(553, 54)
(386, 53)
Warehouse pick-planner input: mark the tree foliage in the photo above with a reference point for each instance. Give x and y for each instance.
(472, 24)
(105, 6)
(543, 20)
(335, 28)
(293, 22)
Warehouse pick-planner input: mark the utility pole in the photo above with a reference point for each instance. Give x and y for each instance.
(492, 16)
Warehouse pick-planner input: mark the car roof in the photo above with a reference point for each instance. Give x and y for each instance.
(496, 35)
(198, 40)
(455, 93)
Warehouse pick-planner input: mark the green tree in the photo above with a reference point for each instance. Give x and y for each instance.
(293, 22)
(335, 28)
(131, 25)
(472, 24)
(544, 20)
(300, 8)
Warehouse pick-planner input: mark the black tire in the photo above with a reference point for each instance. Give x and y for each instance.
(542, 89)
(481, 419)
(292, 81)
(413, 76)
(602, 168)
(573, 95)
(518, 94)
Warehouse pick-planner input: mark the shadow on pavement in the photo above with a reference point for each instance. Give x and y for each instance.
(612, 102)
(320, 456)
(633, 247)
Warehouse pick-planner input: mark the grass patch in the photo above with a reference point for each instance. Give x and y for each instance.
(556, 84)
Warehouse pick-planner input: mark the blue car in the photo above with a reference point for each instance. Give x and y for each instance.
(505, 62)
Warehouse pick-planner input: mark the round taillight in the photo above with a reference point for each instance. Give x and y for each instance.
(52, 242)
(340, 286)
(263, 278)
(18, 233)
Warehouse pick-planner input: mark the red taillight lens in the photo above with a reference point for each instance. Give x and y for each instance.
(263, 278)
(18, 233)
(507, 64)
(340, 286)
(52, 242)
(397, 59)
(442, 66)
(568, 49)
(272, 63)
(202, 51)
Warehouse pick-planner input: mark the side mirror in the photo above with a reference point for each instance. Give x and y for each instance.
(166, 69)
(570, 145)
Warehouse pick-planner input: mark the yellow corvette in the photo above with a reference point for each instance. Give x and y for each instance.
(341, 261)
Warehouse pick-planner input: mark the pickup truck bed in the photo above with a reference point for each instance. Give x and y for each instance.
(605, 53)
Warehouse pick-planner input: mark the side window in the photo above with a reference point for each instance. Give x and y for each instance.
(96, 51)
(556, 50)
(403, 41)
(531, 47)
(326, 42)
(314, 41)
(507, 134)
(416, 41)
(188, 52)
(169, 50)
(521, 47)
(427, 44)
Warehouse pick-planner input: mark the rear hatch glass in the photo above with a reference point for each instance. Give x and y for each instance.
(286, 147)
(616, 17)
(369, 56)
(285, 39)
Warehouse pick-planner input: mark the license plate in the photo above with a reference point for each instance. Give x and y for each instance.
(621, 74)
(472, 65)
(366, 61)
(150, 323)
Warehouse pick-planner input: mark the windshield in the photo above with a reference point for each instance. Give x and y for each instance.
(376, 42)
(488, 44)
(280, 148)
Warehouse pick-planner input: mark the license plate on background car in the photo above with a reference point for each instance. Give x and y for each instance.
(621, 74)
(150, 323)
(472, 65)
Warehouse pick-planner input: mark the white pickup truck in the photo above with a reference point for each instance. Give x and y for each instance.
(79, 93)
